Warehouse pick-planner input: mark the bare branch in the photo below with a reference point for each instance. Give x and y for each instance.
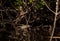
(55, 37)
(55, 18)
(48, 6)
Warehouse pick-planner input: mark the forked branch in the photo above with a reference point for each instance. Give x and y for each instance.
(55, 17)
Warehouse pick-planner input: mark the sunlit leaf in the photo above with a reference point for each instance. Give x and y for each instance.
(30, 1)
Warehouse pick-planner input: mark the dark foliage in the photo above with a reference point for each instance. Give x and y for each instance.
(38, 17)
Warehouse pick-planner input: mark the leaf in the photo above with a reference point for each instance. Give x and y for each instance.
(30, 1)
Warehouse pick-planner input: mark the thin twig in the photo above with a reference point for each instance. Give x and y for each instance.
(55, 37)
(48, 7)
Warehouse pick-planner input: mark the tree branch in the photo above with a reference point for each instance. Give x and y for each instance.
(48, 6)
(55, 18)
